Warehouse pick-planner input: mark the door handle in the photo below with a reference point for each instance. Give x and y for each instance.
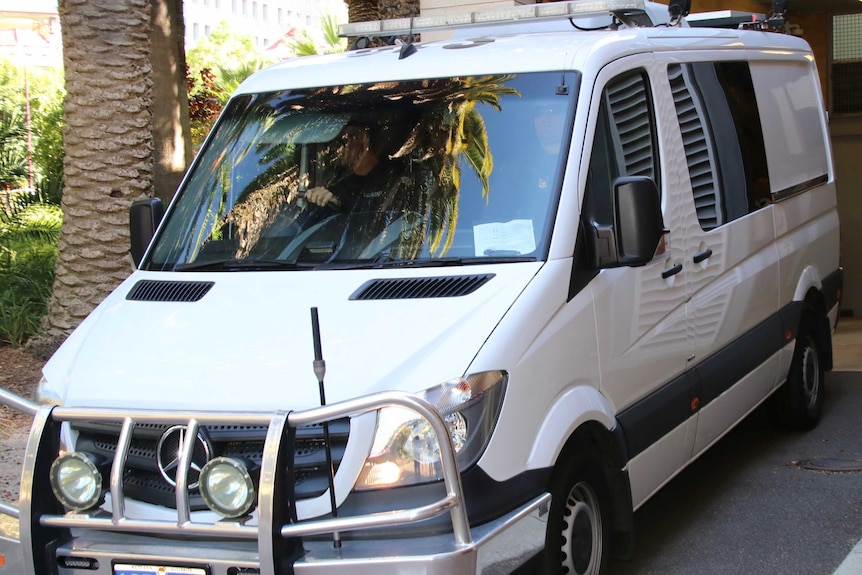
(672, 271)
(701, 256)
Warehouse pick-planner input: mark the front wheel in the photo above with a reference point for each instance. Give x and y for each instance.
(579, 534)
(801, 399)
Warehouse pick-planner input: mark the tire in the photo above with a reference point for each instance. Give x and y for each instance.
(580, 531)
(801, 400)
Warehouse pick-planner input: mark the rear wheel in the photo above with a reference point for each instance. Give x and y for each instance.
(801, 399)
(579, 525)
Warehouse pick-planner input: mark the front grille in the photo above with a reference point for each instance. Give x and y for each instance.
(143, 481)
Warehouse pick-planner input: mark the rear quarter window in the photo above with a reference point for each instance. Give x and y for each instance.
(793, 128)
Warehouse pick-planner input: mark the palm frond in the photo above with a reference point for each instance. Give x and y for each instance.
(477, 151)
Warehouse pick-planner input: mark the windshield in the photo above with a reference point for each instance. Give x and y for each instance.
(441, 170)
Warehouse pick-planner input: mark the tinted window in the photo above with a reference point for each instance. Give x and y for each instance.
(723, 139)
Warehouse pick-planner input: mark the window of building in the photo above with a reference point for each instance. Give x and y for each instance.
(265, 12)
(280, 16)
(254, 10)
(847, 64)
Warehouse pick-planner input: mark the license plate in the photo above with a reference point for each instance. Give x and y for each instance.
(126, 569)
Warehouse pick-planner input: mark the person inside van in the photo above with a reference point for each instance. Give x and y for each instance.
(354, 171)
(358, 180)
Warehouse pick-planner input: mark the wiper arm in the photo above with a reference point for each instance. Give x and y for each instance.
(230, 265)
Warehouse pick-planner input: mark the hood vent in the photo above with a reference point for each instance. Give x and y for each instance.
(154, 290)
(418, 288)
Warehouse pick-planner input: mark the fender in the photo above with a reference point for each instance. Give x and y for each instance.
(576, 406)
(810, 278)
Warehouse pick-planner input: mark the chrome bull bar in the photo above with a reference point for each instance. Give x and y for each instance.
(47, 419)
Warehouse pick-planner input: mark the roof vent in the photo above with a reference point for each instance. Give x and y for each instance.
(155, 290)
(419, 288)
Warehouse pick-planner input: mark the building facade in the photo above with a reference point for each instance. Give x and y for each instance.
(264, 20)
(30, 33)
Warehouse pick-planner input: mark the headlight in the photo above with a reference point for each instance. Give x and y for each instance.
(76, 481)
(227, 487)
(405, 449)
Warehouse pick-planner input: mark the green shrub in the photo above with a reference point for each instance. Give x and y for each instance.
(28, 251)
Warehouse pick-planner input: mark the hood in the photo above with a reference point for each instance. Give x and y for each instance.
(247, 343)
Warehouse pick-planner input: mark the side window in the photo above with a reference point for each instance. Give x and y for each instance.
(723, 139)
(624, 144)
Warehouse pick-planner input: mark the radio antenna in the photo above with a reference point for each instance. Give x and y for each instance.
(320, 371)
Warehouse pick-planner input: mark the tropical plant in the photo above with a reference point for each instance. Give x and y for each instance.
(13, 151)
(48, 146)
(210, 82)
(28, 250)
(304, 45)
(44, 87)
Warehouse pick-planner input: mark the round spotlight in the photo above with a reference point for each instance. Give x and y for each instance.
(76, 481)
(227, 487)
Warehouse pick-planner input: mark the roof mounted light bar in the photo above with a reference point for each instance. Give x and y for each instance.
(629, 12)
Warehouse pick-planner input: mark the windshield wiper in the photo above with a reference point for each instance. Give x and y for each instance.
(231, 265)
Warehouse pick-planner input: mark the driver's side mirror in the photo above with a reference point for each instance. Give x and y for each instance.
(144, 217)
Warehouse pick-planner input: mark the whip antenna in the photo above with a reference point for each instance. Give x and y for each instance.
(319, 371)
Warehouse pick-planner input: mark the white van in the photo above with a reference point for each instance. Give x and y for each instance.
(447, 307)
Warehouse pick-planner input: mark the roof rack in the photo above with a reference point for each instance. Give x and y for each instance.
(630, 12)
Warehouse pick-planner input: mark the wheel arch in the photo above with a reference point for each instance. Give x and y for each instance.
(809, 292)
(593, 441)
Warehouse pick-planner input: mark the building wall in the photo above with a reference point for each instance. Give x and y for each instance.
(265, 20)
(847, 151)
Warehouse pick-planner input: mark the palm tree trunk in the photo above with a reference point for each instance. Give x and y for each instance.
(398, 8)
(172, 138)
(108, 151)
(362, 10)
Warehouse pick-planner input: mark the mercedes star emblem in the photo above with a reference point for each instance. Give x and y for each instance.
(169, 452)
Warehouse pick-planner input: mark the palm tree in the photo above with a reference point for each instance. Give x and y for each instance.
(365, 10)
(362, 10)
(109, 144)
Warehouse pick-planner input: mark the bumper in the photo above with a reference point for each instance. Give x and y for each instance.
(496, 548)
